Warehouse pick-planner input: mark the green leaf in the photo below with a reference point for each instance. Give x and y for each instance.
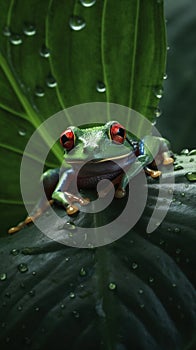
(122, 45)
(138, 290)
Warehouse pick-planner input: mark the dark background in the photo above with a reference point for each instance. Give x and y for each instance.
(178, 105)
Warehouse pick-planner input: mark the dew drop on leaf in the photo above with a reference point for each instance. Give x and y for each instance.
(158, 92)
(6, 31)
(32, 293)
(44, 52)
(50, 81)
(157, 112)
(72, 295)
(151, 279)
(112, 286)
(15, 39)
(14, 251)
(140, 291)
(62, 306)
(29, 29)
(141, 306)
(39, 91)
(134, 265)
(82, 272)
(177, 230)
(165, 76)
(192, 152)
(191, 176)
(37, 308)
(185, 151)
(76, 23)
(87, 3)
(19, 308)
(23, 267)
(100, 87)
(75, 314)
(67, 259)
(22, 132)
(3, 276)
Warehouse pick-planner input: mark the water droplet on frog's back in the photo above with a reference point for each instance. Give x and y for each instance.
(22, 132)
(22, 267)
(77, 23)
(87, 3)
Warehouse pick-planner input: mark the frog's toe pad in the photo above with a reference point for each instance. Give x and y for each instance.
(120, 193)
(168, 161)
(72, 209)
(155, 173)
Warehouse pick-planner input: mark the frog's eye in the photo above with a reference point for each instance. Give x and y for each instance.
(67, 139)
(117, 133)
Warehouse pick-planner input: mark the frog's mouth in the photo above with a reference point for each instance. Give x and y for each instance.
(101, 160)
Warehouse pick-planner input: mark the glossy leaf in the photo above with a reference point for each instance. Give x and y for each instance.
(46, 65)
(138, 290)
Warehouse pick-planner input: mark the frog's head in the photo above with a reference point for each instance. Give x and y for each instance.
(97, 143)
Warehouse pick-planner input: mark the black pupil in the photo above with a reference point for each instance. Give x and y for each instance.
(121, 132)
(64, 139)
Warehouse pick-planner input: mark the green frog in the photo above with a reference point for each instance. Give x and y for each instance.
(93, 153)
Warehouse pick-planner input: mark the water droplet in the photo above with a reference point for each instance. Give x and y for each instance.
(158, 92)
(50, 81)
(157, 112)
(141, 306)
(22, 132)
(15, 39)
(140, 291)
(191, 160)
(100, 87)
(62, 306)
(88, 3)
(70, 226)
(19, 308)
(72, 295)
(23, 267)
(44, 52)
(182, 194)
(32, 293)
(178, 251)
(112, 286)
(192, 153)
(14, 251)
(151, 279)
(7, 295)
(82, 272)
(29, 29)
(77, 23)
(168, 48)
(6, 31)
(165, 76)
(39, 91)
(75, 314)
(191, 176)
(134, 265)
(37, 308)
(178, 167)
(67, 259)
(34, 273)
(174, 285)
(3, 276)
(177, 230)
(185, 151)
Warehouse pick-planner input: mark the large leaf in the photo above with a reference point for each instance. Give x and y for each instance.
(136, 293)
(121, 44)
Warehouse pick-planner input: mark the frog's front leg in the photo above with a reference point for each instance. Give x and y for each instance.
(140, 163)
(65, 198)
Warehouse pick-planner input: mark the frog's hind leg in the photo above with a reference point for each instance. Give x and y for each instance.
(49, 179)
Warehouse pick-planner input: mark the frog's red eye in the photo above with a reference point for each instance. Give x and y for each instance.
(67, 139)
(117, 133)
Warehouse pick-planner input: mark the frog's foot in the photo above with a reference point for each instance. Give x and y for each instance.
(167, 160)
(153, 173)
(30, 219)
(120, 193)
(72, 209)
